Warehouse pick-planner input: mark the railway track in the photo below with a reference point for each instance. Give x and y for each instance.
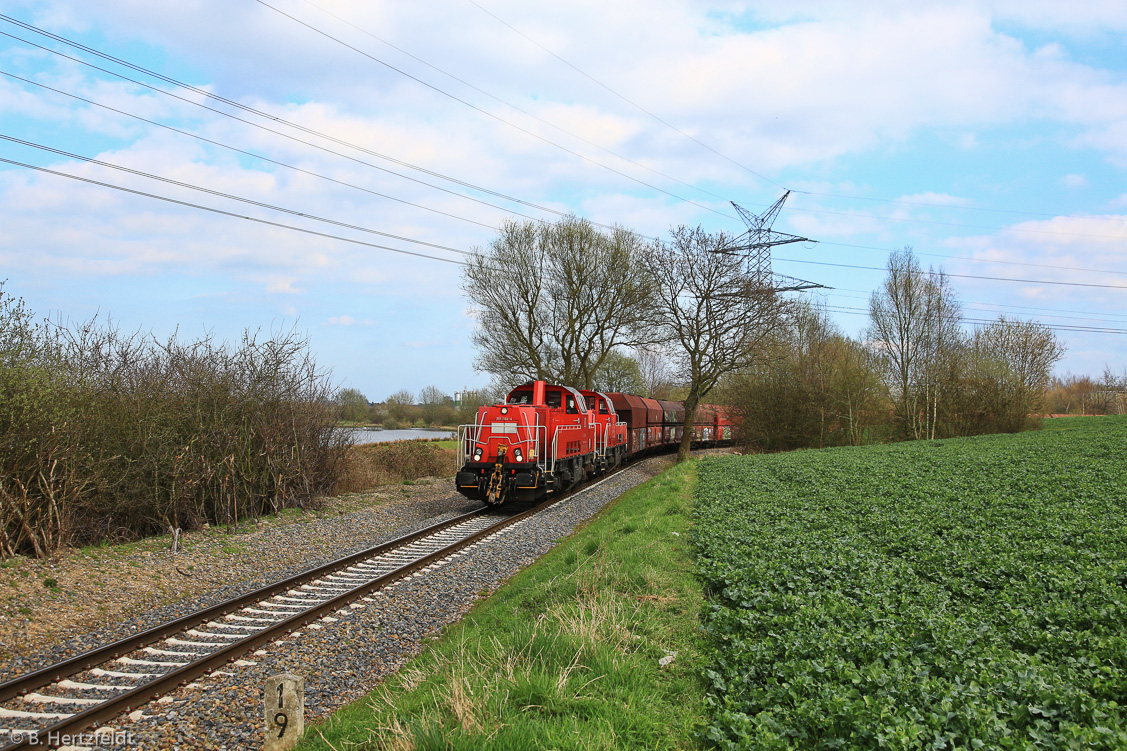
(86, 691)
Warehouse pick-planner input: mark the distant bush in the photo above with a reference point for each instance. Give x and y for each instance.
(106, 435)
(382, 463)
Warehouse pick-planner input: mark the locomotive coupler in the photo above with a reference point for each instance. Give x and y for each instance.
(495, 490)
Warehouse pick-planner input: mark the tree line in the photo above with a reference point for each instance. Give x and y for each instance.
(684, 318)
(431, 408)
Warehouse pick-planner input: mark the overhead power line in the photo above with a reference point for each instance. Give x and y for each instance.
(487, 113)
(220, 194)
(228, 213)
(334, 139)
(244, 152)
(631, 102)
(507, 103)
(458, 181)
(978, 260)
(1037, 308)
(986, 321)
(456, 216)
(640, 108)
(985, 308)
(963, 276)
(958, 224)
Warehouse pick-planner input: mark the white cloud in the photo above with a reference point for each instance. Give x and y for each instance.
(347, 320)
(807, 90)
(1074, 181)
(935, 199)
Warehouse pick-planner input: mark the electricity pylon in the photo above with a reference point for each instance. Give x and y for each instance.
(755, 247)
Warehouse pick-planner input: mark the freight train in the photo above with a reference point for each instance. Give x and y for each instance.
(547, 438)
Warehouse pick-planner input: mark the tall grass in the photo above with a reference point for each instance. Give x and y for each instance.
(596, 646)
(394, 461)
(112, 435)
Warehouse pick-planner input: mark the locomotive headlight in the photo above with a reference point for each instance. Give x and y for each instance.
(517, 456)
(477, 454)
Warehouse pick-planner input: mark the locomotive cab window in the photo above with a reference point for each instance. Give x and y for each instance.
(520, 397)
(603, 408)
(571, 410)
(553, 399)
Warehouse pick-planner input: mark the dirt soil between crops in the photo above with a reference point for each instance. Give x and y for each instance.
(44, 602)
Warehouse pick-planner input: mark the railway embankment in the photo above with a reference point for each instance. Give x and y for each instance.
(57, 607)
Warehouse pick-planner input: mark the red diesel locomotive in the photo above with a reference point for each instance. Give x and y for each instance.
(546, 438)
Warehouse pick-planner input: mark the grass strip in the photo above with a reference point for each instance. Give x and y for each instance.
(566, 654)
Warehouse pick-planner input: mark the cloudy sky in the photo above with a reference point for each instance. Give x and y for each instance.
(990, 137)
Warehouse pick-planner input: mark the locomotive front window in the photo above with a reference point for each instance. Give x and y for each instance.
(603, 408)
(520, 397)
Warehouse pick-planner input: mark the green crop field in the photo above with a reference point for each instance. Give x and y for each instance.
(958, 594)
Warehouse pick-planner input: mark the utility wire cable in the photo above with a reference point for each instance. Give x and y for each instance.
(987, 321)
(982, 307)
(521, 110)
(230, 102)
(898, 201)
(302, 141)
(1038, 308)
(904, 202)
(246, 153)
(229, 213)
(466, 219)
(177, 130)
(625, 99)
(220, 194)
(491, 115)
(957, 224)
(961, 276)
(210, 95)
(977, 260)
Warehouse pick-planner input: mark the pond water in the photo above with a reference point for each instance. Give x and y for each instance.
(378, 435)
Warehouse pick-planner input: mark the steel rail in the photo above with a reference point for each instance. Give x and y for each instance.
(155, 688)
(53, 673)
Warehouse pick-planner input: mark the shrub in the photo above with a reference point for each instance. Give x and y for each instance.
(112, 435)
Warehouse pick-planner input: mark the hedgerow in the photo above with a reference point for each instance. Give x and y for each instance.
(962, 594)
(105, 435)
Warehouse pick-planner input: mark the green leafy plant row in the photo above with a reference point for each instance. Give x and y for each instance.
(959, 594)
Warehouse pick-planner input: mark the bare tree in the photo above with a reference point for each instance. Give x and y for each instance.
(555, 300)
(436, 407)
(1014, 361)
(655, 371)
(399, 406)
(914, 324)
(619, 372)
(707, 309)
(859, 392)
